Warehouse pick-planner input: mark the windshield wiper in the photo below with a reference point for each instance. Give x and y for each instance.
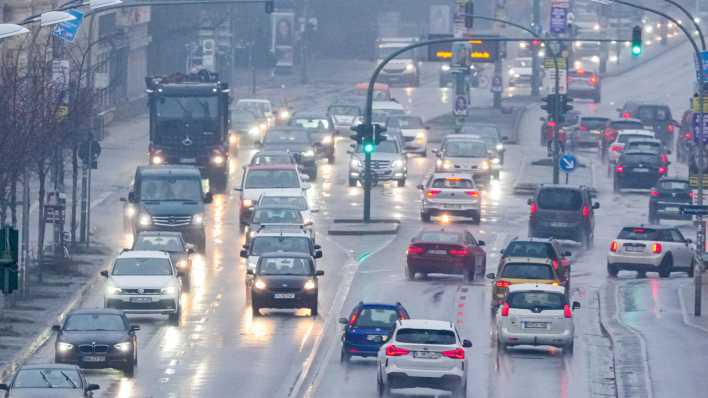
(46, 380)
(68, 378)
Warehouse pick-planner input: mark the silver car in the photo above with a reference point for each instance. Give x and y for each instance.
(654, 248)
(464, 153)
(453, 194)
(388, 163)
(536, 315)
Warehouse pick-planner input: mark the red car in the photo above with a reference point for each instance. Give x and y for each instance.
(446, 252)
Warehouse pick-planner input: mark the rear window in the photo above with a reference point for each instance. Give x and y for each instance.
(283, 178)
(674, 185)
(530, 249)
(624, 138)
(559, 199)
(533, 300)
(439, 237)
(640, 158)
(527, 271)
(652, 112)
(452, 183)
(626, 125)
(384, 318)
(426, 336)
(643, 146)
(594, 123)
(638, 233)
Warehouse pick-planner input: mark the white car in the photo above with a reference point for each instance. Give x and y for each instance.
(423, 353)
(284, 179)
(144, 282)
(260, 107)
(463, 153)
(536, 315)
(617, 146)
(520, 72)
(414, 132)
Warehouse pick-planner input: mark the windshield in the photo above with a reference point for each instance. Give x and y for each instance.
(89, 322)
(654, 113)
(409, 122)
(482, 131)
(382, 318)
(536, 300)
(439, 237)
(639, 158)
(255, 107)
(272, 179)
(624, 138)
(452, 183)
(187, 107)
(643, 146)
(277, 216)
(466, 149)
(626, 125)
(529, 249)
(387, 146)
(270, 244)
(296, 202)
(311, 123)
(243, 117)
(160, 243)
(47, 378)
(559, 199)
(639, 233)
(385, 51)
(527, 271)
(284, 266)
(287, 137)
(142, 266)
(426, 336)
(341, 110)
(171, 188)
(278, 158)
(669, 185)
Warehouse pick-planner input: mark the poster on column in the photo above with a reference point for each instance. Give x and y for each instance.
(283, 38)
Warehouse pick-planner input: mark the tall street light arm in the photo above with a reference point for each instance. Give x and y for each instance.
(693, 20)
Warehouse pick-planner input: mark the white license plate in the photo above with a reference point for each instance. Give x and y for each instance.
(188, 160)
(634, 249)
(284, 295)
(559, 224)
(442, 252)
(375, 337)
(535, 325)
(426, 355)
(641, 170)
(672, 209)
(94, 358)
(140, 299)
(453, 206)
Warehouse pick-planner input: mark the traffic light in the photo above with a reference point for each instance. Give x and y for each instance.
(363, 133)
(566, 104)
(636, 41)
(269, 7)
(549, 104)
(379, 134)
(469, 12)
(9, 275)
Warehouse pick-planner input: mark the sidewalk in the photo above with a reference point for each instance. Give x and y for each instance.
(687, 300)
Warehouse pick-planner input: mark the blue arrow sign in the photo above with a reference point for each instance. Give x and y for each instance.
(67, 31)
(698, 131)
(568, 163)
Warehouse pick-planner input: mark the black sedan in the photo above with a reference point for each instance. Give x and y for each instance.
(49, 380)
(173, 244)
(666, 199)
(284, 280)
(97, 339)
(636, 169)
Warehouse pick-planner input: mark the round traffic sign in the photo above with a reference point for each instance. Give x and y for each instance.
(568, 163)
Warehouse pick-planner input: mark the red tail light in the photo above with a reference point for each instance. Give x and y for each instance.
(654, 193)
(457, 353)
(692, 195)
(656, 248)
(688, 136)
(555, 264)
(393, 351)
(413, 249)
(593, 80)
(505, 309)
(616, 148)
(664, 158)
(614, 246)
(586, 211)
(670, 128)
(662, 170)
(534, 208)
(354, 317)
(432, 193)
(503, 283)
(472, 194)
(619, 168)
(626, 115)
(583, 127)
(567, 312)
(459, 252)
(610, 134)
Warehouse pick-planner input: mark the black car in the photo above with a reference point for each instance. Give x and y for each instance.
(563, 211)
(638, 169)
(322, 131)
(284, 280)
(48, 380)
(667, 197)
(97, 338)
(298, 142)
(172, 243)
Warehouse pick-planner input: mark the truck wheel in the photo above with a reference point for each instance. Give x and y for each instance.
(330, 159)
(313, 309)
(469, 275)
(401, 183)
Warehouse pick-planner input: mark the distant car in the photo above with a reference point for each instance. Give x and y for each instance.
(667, 197)
(388, 163)
(563, 211)
(446, 252)
(520, 72)
(654, 116)
(276, 216)
(172, 243)
(650, 248)
(650, 145)
(536, 314)
(684, 141)
(414, 132)
(262, 108)
(344, 117)
(588, 132)
(368, 327)
(97, 338)
(322, 132)
(423, 353)
(290, 200)
(299, 142)
(519, 270)
(617, 146)
(451, 193)
(550, 249)
(638, 169)
(49, 380)
(462, 153)
(246, 124)
(267, 179)
(584, 84)
(490, 134)
(284, 280)
(615, 126)
(277, 239)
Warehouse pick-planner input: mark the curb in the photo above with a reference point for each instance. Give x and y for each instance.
(608, 335)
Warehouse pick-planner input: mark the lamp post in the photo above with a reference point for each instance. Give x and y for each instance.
(11, 30)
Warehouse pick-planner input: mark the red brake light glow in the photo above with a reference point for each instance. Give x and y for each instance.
(555, 264)
(534, 208)
(505, 309)
(586, 211)
(432, 193)
(413, 249)
(626, 115)
(584, 127)
(654, 193)
(567, 312)
(503, 283)
(664, 158)
(393, 351)
(639, 230)
(692, 195)
(614, 246)
(551, 123)
(457, 353)
(662, 170)
(619, 168)
(472, 194)
(459, 252)
(354, 317)
(656, 248)
(593, 80)
(616, 148)
(670, 128)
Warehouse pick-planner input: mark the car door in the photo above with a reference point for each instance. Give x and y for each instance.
(477, 252)
(680, 248)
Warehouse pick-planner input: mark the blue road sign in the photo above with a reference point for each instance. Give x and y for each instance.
(694, 210)
(568, 163)
(67, 31)
(704, 59)
(559, 20)
(697, 130)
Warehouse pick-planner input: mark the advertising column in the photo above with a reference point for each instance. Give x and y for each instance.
(283, 40)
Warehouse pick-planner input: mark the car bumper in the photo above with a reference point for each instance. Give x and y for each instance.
(361, 350)
(522, 338)
(432, 266)
(671, 211)
(380, 175)
(266, 299)
(402, 77)
(448, 379)
(635, 262)
(641, 181)
(156, 305)
(112, 360)
(558, 231)
(584, 93)
(453, 210)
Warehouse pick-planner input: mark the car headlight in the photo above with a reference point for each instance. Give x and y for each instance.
(64, 347)
(263, 126)
(181, 264)
(130, 211)
(577, 44)
(447, 165)
(485, 165)
(355, 164)
(251, 234)
(309, 153)
(397, 164)
(112, 290)
(310, 284)
(500, 147)
(169, 290)
(247, 203)
(595, 59)
(284, 115)
(410, 67)
(495, 161)
(254, 131)
(218, 159)
(157, 159)
(259, 284)
(512, 72)
(198, 219)
(420, 136)
(145, 220)
(123, 347)
(327, 140)
(523, 44)
(541, 53)
(596, 27)
(445, 67)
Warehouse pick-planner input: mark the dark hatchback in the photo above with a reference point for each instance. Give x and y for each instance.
(563, 211)
(666, 199)
(446, 252)
(171, 243)
(368, 328)
(541, 248)
(97, 339)
(284, 280)
(653, 116)
(298, 142)
(637, 169)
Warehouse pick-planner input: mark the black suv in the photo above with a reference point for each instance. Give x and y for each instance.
(563, 211)
(638, 169)
(666, 199)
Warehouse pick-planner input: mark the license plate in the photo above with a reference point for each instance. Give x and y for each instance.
(94, 358)
(284, 295)
(441, 252)
(140, 299)
(188, 160)
(374, 337)
(672, 209)
(426, 355)
(634, 249)
(536, 325)
(641, 170)
(558, 224)
(453, 206)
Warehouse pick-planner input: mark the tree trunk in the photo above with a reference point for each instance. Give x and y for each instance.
(74, 190)
(42, 178)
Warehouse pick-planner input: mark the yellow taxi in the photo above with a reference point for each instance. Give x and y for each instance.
(517, 270)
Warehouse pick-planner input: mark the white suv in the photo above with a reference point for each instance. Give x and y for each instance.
(144, 282)
(423, 353)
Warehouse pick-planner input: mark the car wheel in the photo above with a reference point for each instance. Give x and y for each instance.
(352, 182)
(468, 275)
(653, 218)
(410, 273)
(425, 217)
(174, 317)
(461, 391)
(476, 219)
(568, 349)
(330, 159)
(615, 185)
(612, 270)
(401, 183)
(665, 267)
(313, 309)
(344, 356)
(691, 269)
(424, 153)
(380, 388)
(129, 370)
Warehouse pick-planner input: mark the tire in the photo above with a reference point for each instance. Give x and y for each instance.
(401, 183)
(568, 349)
(313, 310)
(425, 217)
(330, 159)
(615, 185)
(653, 217)
(691, 269)
(424, 153)
(468, 275)
(201, 244)
(665, 267)
(174, 317)
(380, 388)
(410, 273)
(612, 270)
(461, 391)
(476, 219)
(352, 182)
(344, 356)
(129, 370)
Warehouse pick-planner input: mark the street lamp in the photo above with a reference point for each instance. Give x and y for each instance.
(11, 29)
(96, 4)
(50, 18)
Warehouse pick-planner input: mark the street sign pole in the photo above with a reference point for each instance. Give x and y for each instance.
(698, 276)
(535, 67)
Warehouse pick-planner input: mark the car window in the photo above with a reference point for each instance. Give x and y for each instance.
(482, 131)
(438, 237)
(161, 243)
(311, 123)
(465, 149)
(527, 271)
(529, 249)
(643, 146)
(256, 179)
(169, 188)
(452, 183)
(277, 216)
(142, 266)
(384, 318)
(674, 185)
(540, 300)
(675, 235)
(640, 158)
(594, 123)
(624, 138)
(47, 378)
(426, 336)
(272, 159)
(269, 244)
(296, 202)
(89, 322)
(343, 110)
(408, 122)
(559, 199)
(287, 137)
(626, 125)
(638, 233)
(284, 266)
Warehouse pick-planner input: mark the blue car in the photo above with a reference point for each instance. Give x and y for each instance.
(368, 327)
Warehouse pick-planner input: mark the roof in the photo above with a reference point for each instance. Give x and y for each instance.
(626, 120)
(425, 324)
(49, 366)
(286, 231)
(285, 254)
(637, 131)
(309, 115)
(380, 305)
(386, 105)
(650, 226)
(452, 174)
(176, 170)
(540, 240)
(562, 186)
(464, 137)
(524, 287)
(253, 100)
(112, 311)
(143, 254)
(284, 166)
(645, 139)
(528, 260)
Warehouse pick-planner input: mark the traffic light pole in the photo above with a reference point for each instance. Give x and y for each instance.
(556, 118)
(535, 67)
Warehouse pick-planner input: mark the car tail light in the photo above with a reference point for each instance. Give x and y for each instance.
(353, 318)
(505, 309)
(619, 168)
(533, 208)
(610, 134)
(639, 230)
(393, 351)
(688, 136)
(593, 80)
(413, 249)
(459, 252)
(626, 115)
(555, 264)
(583, 127)
(586, 211)
(670, 128)
(567, 312)
(472, 194)
(503, 283)
(656, 248)
(662, 170)
(614, 246)
(654, 193)
(432, 193)
(457, 353)
(692, 195)
(664, 158)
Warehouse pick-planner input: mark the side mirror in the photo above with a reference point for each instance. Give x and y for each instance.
(309, 224)
(250, 272)
(208, 197)
(5, 387)
(491, 275)
(505, 139)
(104, 274)
(480, 243)
(318, 254)
(306, 186)
(501, 251)
(93, 387)
(56, 328)
(238, 189)
(466, 344)
(190, 250)
(343, 321)
(131, 197)
(123, 199)
(529, 201)
(318, 247)
(576, 305)
(319, 272)
(349, 152)
(314, 210)
(689, 241)
(244, 253)
(596, 205)
(567, 254)
(134, 328)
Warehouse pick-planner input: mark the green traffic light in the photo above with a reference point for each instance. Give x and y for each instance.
(636, 50)
(369, 147)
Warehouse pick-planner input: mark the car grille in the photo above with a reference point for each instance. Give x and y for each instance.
(171, 221)
(380, 164)
(408, 139)
(141, 291)
(93, 349)
(394, 70)
(289, 289)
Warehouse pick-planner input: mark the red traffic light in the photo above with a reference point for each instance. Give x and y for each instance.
(536, 42)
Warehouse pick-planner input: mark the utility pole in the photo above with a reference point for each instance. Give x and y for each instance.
(535, 67)
(305, 40)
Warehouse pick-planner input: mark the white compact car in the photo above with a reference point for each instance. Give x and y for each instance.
(454, 194)
(144, 282)
(423, 353)
(536, 314)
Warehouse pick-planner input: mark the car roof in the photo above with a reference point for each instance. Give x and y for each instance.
(176, 170)
(526, 287)
(633, 120)
(253, 100)
(283, 166)
(160, 233)
(425, 324)
(650, 226)
(111, 311)
(49, 366)
(562, 186)
(536, 240)
(281, 231)
(143, 254)
(380, 305)
(637, 132)
(386, 105)
(452, 174)
(310, 115)
(529, 260)
(645, 139)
